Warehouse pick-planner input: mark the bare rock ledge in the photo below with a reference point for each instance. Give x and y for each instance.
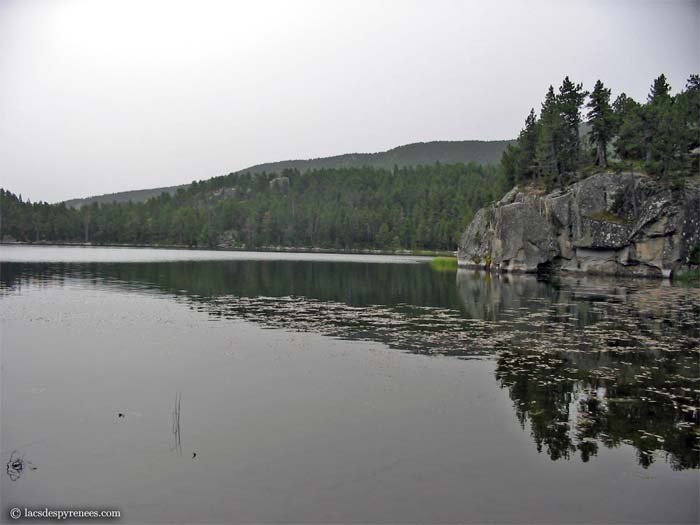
(616, 224)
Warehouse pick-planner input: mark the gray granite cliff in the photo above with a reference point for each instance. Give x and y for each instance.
(618, 224)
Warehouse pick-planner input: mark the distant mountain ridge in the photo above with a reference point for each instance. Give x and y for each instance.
(448, 152)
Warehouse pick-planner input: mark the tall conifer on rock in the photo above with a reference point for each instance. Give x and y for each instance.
(528, 146)
(658, 125)
(629, 123)
(571, 97)
(687, 108)
(602, 121)
(519, 159)
(549, 137)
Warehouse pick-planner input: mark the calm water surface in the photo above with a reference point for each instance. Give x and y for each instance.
(336, 388)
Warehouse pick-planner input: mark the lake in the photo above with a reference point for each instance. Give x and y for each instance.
(191, 386)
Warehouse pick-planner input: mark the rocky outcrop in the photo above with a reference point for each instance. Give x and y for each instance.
(620, 224)
(280, 184)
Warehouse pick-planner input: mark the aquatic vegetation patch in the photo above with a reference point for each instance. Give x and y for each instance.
(16, 466)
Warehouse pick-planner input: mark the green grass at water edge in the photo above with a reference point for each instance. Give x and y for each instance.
(444, 264)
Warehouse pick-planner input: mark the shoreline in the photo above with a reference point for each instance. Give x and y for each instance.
(271, 249)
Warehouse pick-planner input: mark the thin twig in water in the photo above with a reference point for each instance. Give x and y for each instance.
(176, 425)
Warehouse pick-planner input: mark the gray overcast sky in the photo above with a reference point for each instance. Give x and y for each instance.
(104, 96)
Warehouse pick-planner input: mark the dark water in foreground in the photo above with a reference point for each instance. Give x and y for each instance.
(342, 389)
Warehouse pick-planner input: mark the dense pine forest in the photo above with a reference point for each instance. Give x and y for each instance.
(660, 136)
(414, 207)
(423, 207)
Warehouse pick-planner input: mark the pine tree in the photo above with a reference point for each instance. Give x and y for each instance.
(509, 163)
(630, 128)
(687, 109)
(549, 137)
(527, 140)
(692, 89)
(571, 97)
(657, 123)
(660, 91)
(602, 121)
(519, 159)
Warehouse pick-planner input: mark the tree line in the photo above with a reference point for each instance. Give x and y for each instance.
(420, 207)
(660, 136)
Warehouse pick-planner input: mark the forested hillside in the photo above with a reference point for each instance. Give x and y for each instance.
(420, 153)
(423, 207)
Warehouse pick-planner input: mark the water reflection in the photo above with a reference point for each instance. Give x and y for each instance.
(597, 362)
(573, 404)
(586, 362)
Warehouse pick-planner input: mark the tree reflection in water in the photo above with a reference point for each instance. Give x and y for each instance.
(619, 367)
